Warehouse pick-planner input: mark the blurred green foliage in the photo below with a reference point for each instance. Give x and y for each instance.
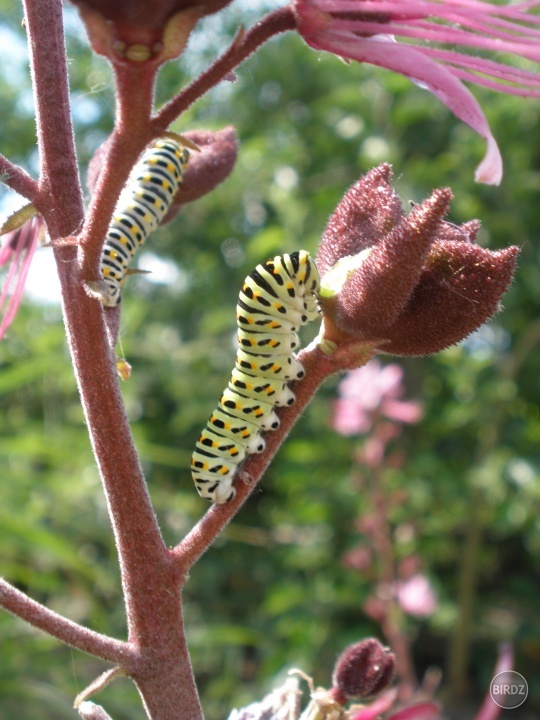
(273, 593)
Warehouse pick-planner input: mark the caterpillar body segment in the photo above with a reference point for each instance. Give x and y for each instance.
(243, 432)
(260, 387)
(271, 366)
(276, 299)
(259, 412)
(142, 205)
(256, 342)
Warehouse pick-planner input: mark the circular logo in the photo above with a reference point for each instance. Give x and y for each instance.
(509, 689)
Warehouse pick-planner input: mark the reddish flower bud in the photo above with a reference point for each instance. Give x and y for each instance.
(363, 669)
(137, 31)
(208, 168)
(144, 14)
(406, 285)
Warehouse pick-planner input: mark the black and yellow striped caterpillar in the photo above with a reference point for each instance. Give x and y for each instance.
(143, 204)
(277, 298)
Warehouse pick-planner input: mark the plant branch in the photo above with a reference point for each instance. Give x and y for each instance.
(392, 622)
(20, 605)
(18, 180)
(63, 211)
(318, 366)
(149, 581)
(133, 131)
(242, 47)
(467, 578)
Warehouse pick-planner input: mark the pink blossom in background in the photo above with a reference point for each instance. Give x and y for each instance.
(418, 711)
(17, 250)
(365, 31)
(359, 558)
(369, 391)
(375, 708)
(505, 662)
(416, 596)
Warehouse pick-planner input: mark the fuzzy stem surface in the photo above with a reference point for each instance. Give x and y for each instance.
(158, 659)
(318, 366)
(18, 180)
(242, 47)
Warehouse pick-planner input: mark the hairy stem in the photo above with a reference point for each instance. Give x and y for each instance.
(133, 131)
(61, 197)
(243, 46)
(158, 659)
(15, 178)
(392, 624)
(318, 367)
(71, 633)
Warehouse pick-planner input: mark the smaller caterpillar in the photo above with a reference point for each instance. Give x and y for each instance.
(143, 204)
(277, 298)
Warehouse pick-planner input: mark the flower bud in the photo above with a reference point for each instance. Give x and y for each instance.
(363, 669)
(405, 284)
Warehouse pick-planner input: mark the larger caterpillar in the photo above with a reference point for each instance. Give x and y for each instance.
(277, 298)
(143, 204)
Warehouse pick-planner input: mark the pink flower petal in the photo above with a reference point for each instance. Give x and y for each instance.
(416, 596)
(505, 661)
(403, 412)
(349, 418)
(436, 78)
(19, 250)
(378, 706)
(420, 711)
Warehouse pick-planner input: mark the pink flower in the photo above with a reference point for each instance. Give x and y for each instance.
(370, 390)
(505, 662)
(17, 249)
(374, 709)
(364, 30)
(416, 596)
(417, 711)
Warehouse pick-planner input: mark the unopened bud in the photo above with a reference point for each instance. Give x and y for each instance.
(363, 669)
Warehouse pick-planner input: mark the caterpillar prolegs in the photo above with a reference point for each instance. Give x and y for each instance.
(277, 298)
(143, 204)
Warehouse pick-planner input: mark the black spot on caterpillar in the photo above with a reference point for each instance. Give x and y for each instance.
(143, 204)
(277, 298)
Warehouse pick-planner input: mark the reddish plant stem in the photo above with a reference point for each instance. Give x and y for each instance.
(243, 46)
(318, 367)
(16, 602)
(135, 89)
(392, 623)
(15, 178)
(159, 662)
(134, 129)
(60, 192)
(165, 681)
(151, 585)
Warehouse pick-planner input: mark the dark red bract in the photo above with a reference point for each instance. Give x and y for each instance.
(145, 14)
(420, 285)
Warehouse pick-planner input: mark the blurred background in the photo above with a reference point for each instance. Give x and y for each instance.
(294, 578)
